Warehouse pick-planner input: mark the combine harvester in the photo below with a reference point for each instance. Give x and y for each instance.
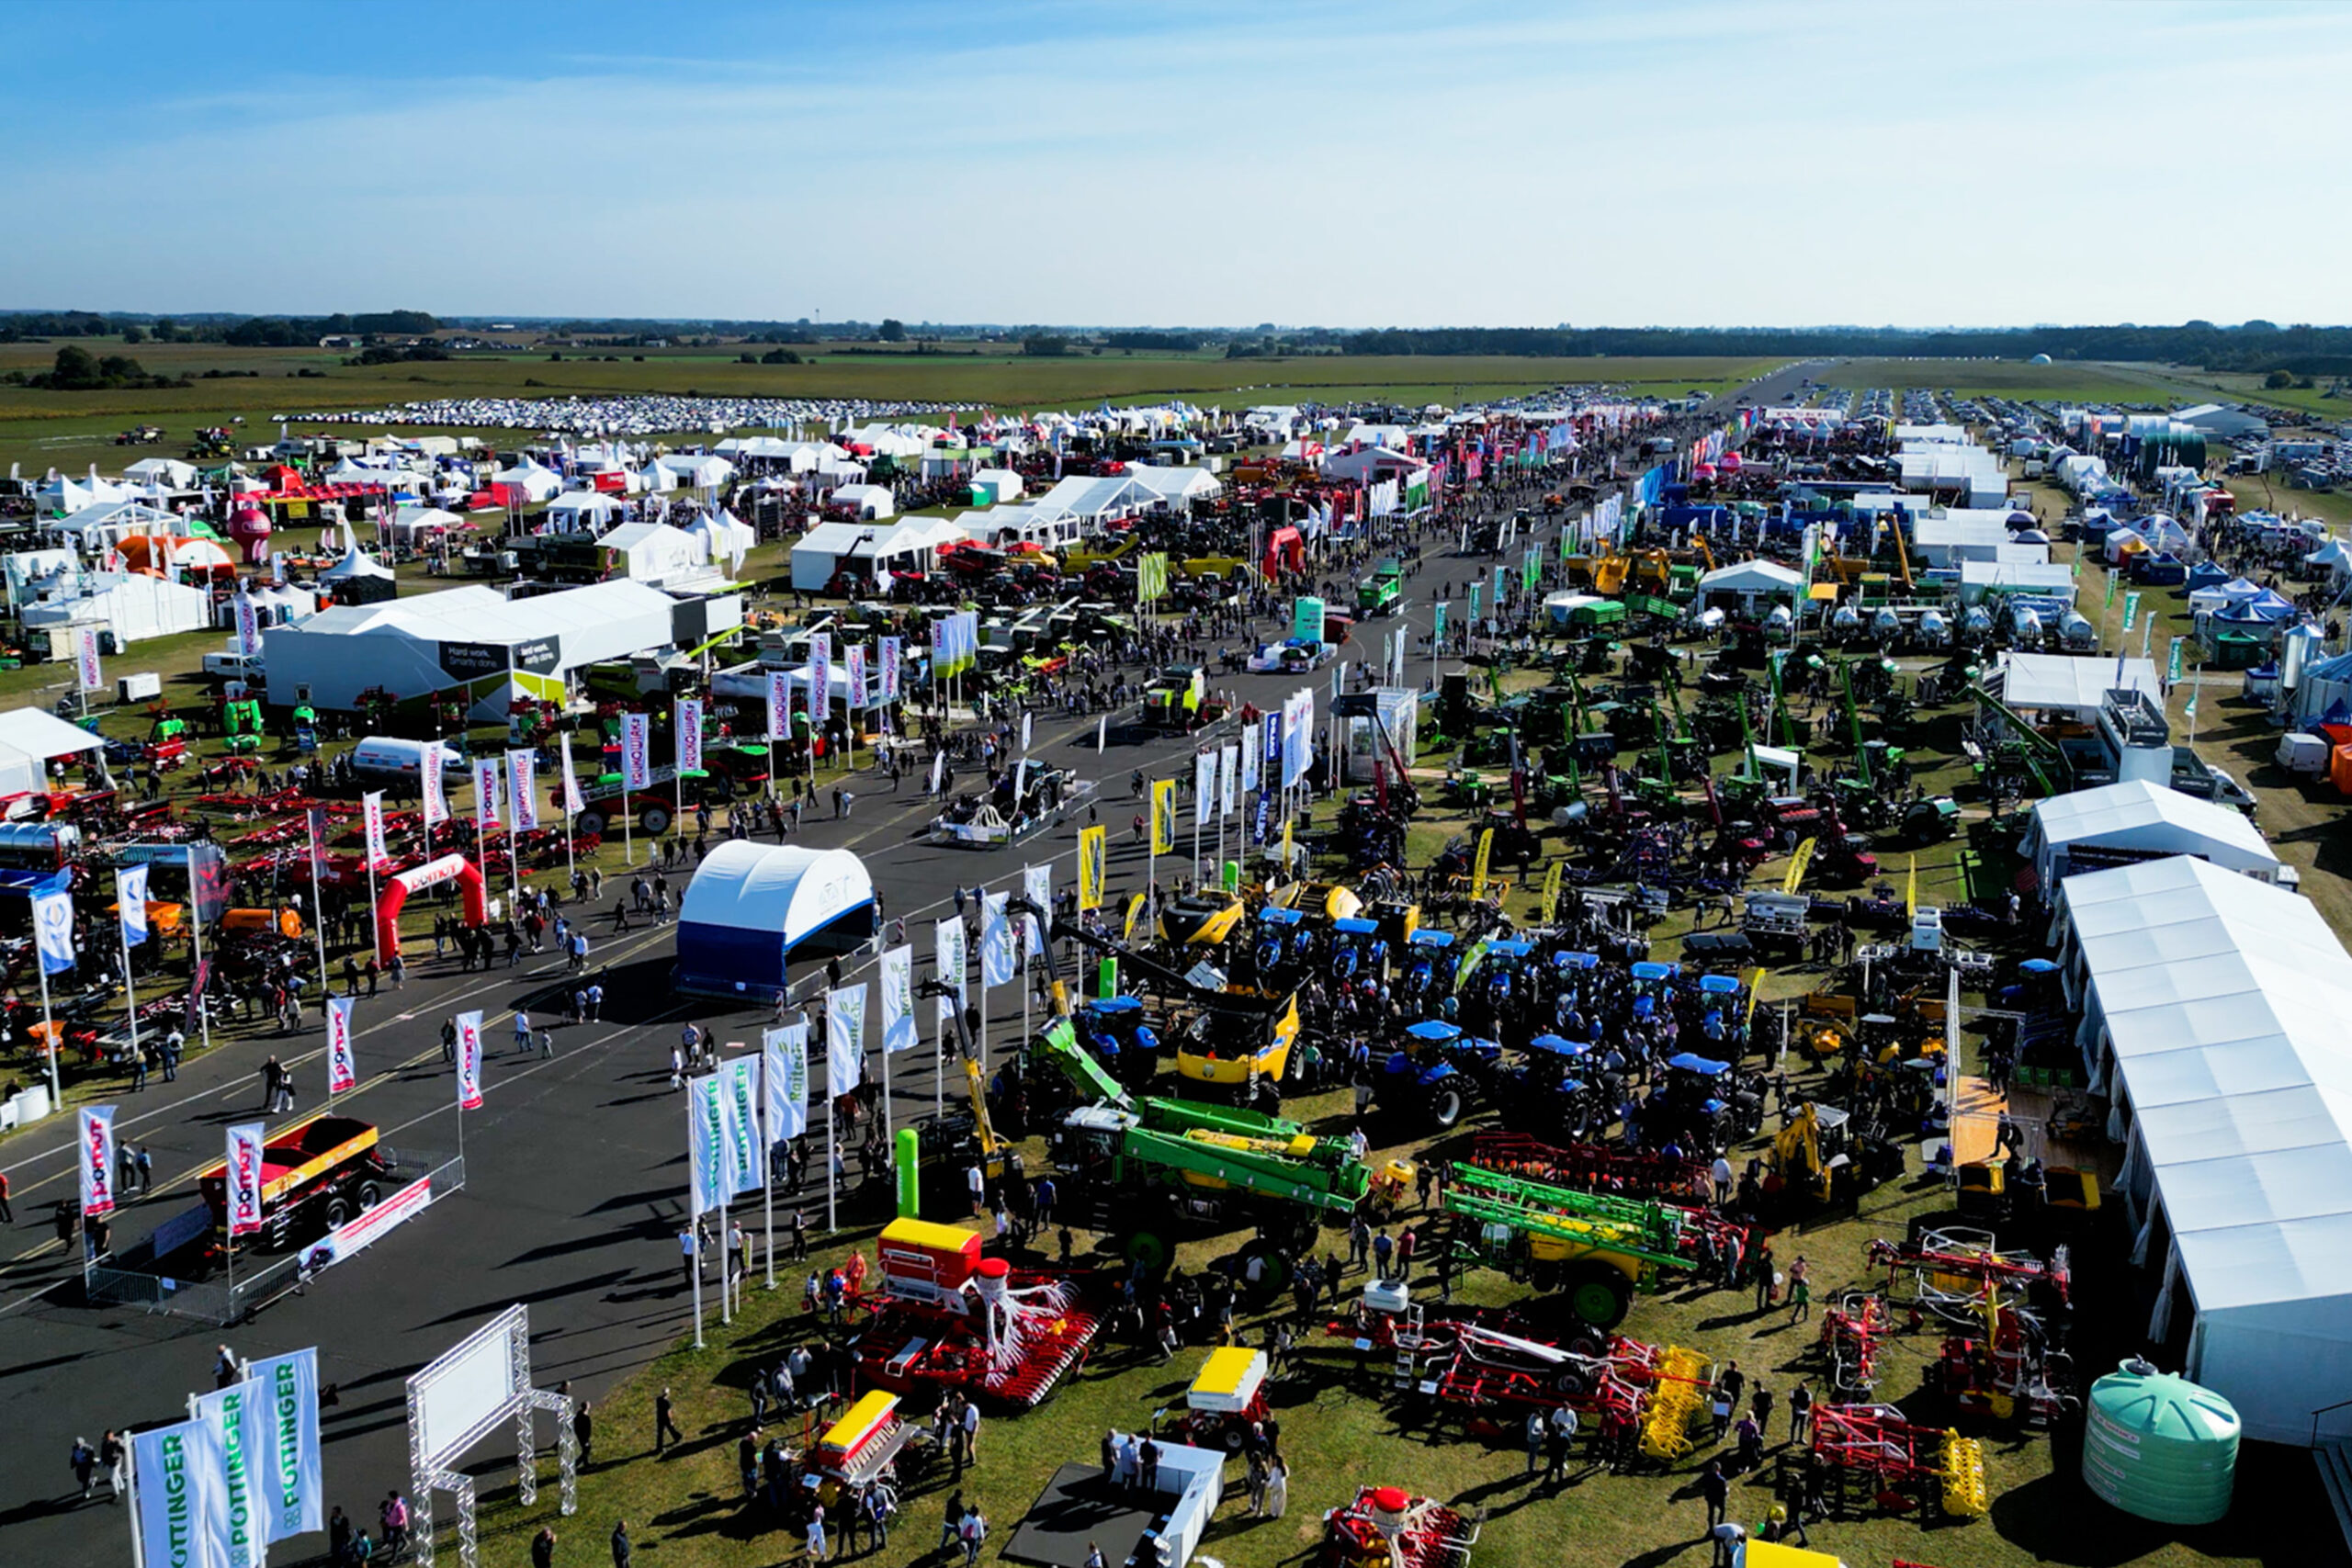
(945, 1317)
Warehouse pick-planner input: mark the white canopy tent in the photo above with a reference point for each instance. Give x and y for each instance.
(870, 501)
(2213, 1010)
(2053, 683)
(131, 605)
(579, 511)
(2139, 818)
(753, 907)
(654, 552)
(1751, 583)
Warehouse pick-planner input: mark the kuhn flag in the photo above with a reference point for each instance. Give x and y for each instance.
(469, 1061)
(523, 788)
(636, 751)
(97, 1130)
(690, 735)
(779, 704)
(245, 1146)
(342, 1072)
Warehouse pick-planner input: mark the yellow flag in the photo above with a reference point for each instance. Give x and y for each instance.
(1479, 872)
(1286, 850)
(1090, 866)
(1911, 889)
(1550, 892)
(1755, 989)
(1797, 863)
(1163, 817)
(1134, 911)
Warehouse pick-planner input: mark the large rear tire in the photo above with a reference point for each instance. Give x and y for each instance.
(1149, 1248)
(589, 824)
(1273, 1273)
(1599, 1295)
(654, 820)
(1445, 1109)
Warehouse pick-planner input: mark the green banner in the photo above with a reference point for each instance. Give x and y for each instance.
(2172, 665)
(2130, 609)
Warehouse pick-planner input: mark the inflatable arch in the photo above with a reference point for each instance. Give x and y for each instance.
(432, 874)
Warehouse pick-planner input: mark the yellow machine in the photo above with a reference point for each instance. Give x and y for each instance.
(1797, 1150)
(1200, 920)
(1320, 901)
(992, 1146)
(1240, 1043)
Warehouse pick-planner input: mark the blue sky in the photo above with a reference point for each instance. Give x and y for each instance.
(1364, 164)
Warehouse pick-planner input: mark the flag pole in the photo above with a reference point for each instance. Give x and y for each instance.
(726, 1265)
(129, 995)
(833, 1169)
(48, 1032)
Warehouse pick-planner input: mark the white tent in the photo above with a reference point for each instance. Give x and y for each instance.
(1751, 583)
(168, 472)
(133, 605)
(2203, 601)
(694, 470)
(109, 523)
(355, 563)
(579, 511)
(725, 538)
(2053, 681)
(753, 907)
(870, 501)
(29, 574)
(2141, 820)
(2325, 683)
(535, 482)
(30, 738)
(910, 545)
(654, 552)
(998, 485)
(413, 525)
(2213, 1010)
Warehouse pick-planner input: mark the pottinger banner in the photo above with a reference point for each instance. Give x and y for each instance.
(523, 788)
(292, 1480)
(245, 1144)
(239, 1414)
(747, 1169)
(844, 1039)
(898, 1000)
(690, 735)
(182, 1491)
(784, 1080)
(469, 1061)
(343, 1073)
(636, 751)
(706, 1144)
(97, 1139)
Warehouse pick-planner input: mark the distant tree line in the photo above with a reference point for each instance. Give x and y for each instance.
(76, 369)
(2258, 347)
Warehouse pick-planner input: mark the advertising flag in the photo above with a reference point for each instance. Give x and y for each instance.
(1037, 888)
(2172, 663)
(636, 751)
(1551, 891)
(821, 676)
(1229, 764)
(96, 1128)
(943, 646)
(239, 1417)
(1248, 759)
(893, 667)
(898, 1000)
(948, 953)
(2130, 609)
(436, 787)
(182, 1496)
(469, 1061)
(1475, 589)
(690, 735)
(844, 1039)
(486, 793)
(523, 788)
(53, 930)
(779, 704)
(371, 812)
(86, 650)
(1027, 719)
(571, 801)
(1478, 870)
(2112, 576)
(784, 1050)
(747, 1167)
(248, 625)
(1437, 625)
(854, 659)
(130, 904)
(1092, 851)
(291, 1482)
(707, 1121)
(342, 1072)
(1163, 817)
(1203, 787)
(1269, 750)
(244, 1159)
(996, 940)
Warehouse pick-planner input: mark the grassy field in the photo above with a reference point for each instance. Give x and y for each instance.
(71, 429)
(1997, 378)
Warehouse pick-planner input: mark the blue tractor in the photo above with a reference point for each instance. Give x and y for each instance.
(1358, 951)
(1436, 1076)
(1428, 981)
(1282, 944)
(1116, 1032)
(1554, 1092)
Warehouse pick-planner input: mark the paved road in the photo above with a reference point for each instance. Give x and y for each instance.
(575, 1168)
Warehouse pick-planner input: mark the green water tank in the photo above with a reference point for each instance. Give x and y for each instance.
(2160, 1446)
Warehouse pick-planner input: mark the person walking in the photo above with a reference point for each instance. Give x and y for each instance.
(543, 1548)
(1536, 1427)
(84, 1458)
(1277, 1494)
(1800, 1290)
(1715, 1492)
(583, 1426)
(973, 1531)
(7, 1210)
(665, 1421)
(115, 1454)
(621, 1554)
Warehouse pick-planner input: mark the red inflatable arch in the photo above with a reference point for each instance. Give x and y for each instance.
(432, 874)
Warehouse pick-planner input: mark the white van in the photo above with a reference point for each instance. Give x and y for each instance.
(389, 759)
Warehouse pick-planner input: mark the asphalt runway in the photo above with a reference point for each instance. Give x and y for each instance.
(576, 1167)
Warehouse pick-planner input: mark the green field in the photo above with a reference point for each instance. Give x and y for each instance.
(1998, 379)
(71, 429)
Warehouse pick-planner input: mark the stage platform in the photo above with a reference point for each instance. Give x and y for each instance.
(1078, 1506)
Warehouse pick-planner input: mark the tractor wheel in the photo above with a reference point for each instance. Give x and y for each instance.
(338, 1212)
(1599, 1295)
(654, 820)
(1148, 1247)
(369, 1196)
(1445, 1109)
(1235, 1440)
(589, 824)
(1273, 1273)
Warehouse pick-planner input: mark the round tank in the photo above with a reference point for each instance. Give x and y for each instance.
(2159, 1447)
